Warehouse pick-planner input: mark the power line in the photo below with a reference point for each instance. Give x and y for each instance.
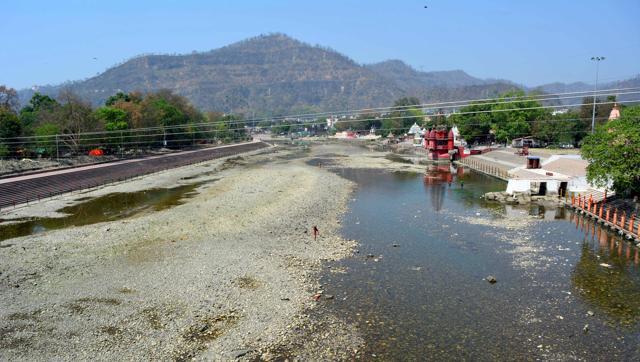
(424, 106)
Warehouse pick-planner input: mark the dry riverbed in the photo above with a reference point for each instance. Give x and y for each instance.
(230, 273)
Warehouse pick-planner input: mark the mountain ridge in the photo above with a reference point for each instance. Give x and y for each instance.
(276, 74)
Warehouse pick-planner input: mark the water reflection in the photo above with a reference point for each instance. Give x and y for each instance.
(104, 208)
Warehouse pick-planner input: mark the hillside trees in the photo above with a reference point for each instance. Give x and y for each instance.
(133, 119)
(509, 116)
(613, 152)
(405, 112)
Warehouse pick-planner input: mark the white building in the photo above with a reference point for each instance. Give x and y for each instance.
(559, 174)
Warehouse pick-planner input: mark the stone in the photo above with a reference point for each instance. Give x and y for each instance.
(585, 329)
(395, 245)
(240, 352)
(590, 313)
(329, 296)
(491, 279)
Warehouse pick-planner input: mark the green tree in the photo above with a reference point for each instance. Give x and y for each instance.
(118, 97)
(114, 119)
(45, 138)
(39, 110)
(10, 129)
(509, 116)
(613, 152)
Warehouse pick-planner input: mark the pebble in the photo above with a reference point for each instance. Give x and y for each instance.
(239, 352)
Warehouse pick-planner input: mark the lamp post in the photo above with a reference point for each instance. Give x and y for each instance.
(595, 91)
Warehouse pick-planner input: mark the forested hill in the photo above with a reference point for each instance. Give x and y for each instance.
(270, 74)
(275, 74)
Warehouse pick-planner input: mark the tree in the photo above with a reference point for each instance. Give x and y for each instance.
(10, 129)
(114, 119)
(613, 152)
(405, 113)
(562, 128)
(45, 137)
(74, 117)
(509, 116)
(38, 111)
(118, 97)
(9, 99)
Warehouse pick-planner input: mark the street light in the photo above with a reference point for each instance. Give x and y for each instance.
(595, 91)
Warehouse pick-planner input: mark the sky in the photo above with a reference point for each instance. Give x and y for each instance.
(529, 42)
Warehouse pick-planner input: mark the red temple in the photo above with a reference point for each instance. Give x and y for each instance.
(440, 144)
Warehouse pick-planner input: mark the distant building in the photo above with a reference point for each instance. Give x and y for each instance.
(528, 141)
(415, 129)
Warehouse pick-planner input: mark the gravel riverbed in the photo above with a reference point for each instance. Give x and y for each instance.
(229, 274)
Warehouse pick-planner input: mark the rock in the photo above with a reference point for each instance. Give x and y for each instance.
(585, 329)
(590, 313)
(491, 279)
(370, 256)
(395, 245)
(240, 352)
(329, 296)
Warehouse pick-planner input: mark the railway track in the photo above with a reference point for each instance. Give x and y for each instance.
(25, 189)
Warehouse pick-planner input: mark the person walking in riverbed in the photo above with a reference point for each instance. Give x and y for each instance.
(316, 232)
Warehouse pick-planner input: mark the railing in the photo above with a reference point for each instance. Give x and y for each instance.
(484, 167)
(615, 217)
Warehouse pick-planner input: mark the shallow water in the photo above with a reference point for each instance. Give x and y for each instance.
(426, 297)
(109, 207)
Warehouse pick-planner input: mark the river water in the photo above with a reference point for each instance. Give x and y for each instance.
(566, 289)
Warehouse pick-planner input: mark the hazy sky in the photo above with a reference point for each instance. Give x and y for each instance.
(530, 42)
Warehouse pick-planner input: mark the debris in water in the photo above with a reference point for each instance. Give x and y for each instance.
(491, 279)
(605, 265)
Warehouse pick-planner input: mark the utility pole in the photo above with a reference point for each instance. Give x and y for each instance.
(595, 91)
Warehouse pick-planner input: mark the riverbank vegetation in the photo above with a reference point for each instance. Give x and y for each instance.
(126, 120)
(613, 152)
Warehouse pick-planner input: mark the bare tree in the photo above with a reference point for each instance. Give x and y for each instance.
(9, 98)
(75, 116)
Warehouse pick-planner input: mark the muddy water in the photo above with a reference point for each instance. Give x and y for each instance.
(104, 208)
(565, 289)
